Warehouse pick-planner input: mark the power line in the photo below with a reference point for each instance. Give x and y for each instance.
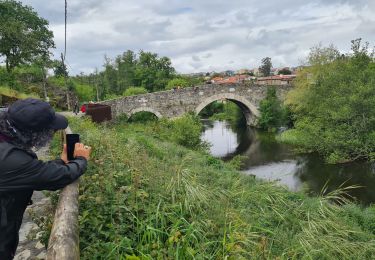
(66, 12)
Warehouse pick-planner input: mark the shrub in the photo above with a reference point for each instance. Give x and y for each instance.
(177, 82)
(333, 103)
(186, 131)
(272, 113)
(132, 91)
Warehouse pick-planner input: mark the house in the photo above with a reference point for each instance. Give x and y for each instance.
(243, 71)
(232, 80)
(276, 80)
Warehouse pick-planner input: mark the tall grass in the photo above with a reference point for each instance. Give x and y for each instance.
(5, 91)
(146, 197)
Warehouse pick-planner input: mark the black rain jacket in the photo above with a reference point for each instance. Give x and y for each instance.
(20, 174)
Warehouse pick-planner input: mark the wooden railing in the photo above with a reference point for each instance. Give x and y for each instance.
(64, 239)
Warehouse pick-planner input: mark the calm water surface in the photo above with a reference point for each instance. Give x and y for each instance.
(267, 159)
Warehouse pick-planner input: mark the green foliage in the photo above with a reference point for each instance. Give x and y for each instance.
(272, 113)
(231, 112)
(83, 91)
(176, 83)
(186, 131)
(333, 104)
(147, 198)
(211, 109)
(132, 91)
(285, 71)
(143, 117)
(24, 36)
(60, 69)
(266, 66)
(145, 70)
(13, 93)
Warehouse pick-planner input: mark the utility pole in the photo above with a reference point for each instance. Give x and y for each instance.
(63, 58)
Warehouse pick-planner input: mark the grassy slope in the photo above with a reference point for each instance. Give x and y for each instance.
(147, 197)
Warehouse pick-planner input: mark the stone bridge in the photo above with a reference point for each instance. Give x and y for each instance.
(175, 103)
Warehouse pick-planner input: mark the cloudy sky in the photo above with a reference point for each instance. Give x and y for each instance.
(205, 35)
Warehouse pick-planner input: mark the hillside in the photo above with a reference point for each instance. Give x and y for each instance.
(146, 195)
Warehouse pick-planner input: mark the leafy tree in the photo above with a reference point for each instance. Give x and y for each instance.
(24, 36)
(272, 113)
(266, 66)
(60, 69)
(126, 66)
(333, 103)
(132, 91)
(285, 71)
(152, 72)
(177, 82)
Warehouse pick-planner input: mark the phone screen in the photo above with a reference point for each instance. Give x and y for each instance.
(71, 140)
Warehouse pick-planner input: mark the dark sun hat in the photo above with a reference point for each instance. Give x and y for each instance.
(35, 114)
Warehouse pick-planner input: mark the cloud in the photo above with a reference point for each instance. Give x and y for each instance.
(205, 35)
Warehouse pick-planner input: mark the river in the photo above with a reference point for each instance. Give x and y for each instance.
(267, 159)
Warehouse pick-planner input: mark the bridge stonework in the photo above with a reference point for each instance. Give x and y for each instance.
(175, 103)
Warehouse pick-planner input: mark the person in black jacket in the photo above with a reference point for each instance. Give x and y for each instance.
(28, 124)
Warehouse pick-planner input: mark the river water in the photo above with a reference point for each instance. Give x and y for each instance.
(267, 159)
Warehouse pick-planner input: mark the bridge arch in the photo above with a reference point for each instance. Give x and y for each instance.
(248, 109)
(145, 109)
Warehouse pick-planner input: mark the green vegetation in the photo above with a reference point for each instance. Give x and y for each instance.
(177, 83)
(25, 43)
(333, 104)
(285, 71)
(14, 94)
(266, 67)
(146, 196)
(131, 91)
(24, 35)
(141, 117)
(221, 111)
(272, 113)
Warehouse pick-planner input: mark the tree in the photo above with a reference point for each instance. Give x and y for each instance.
(177, 82)
(126, 66)
(272, 113)
(152, 72)
(60, 69)
(24, 36)
(266, 66)
(285, 71)
(333, 103)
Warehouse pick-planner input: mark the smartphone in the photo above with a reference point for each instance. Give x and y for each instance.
(71, 140)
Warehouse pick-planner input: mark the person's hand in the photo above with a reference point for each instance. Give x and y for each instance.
(82, 150)
(64, 154)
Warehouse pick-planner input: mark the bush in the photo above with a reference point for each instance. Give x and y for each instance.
(187, 131)
(333, 103)
(132, 91)
(177, 82)
(84, 92)
(272, 113)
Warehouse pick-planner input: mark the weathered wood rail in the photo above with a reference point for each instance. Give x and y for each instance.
(64, 239)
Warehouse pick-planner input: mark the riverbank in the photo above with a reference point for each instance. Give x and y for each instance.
(147, 196)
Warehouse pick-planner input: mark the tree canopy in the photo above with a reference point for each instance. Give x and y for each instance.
(333, 103)
(146, 70)
(177, 82)
(266, 66)
(24, 36)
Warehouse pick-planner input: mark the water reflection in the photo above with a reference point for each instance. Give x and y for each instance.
(267, 159)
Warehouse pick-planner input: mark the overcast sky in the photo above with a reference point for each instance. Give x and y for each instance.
(205, 35)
